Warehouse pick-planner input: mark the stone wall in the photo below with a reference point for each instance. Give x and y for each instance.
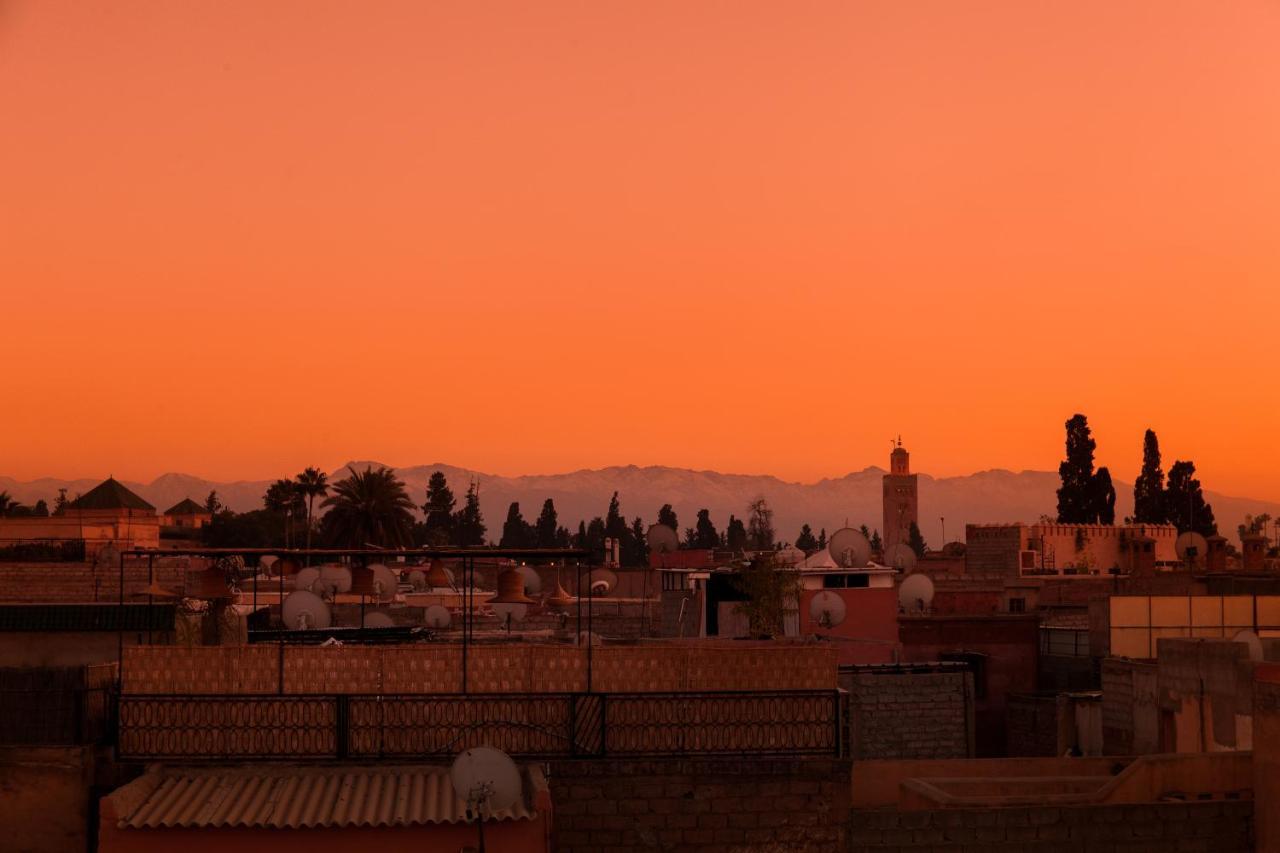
(905, 712)
(756, 804)
(1201, 827)
(1130, 716)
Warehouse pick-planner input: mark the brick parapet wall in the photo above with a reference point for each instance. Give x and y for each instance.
(1208, 827)
(895, 714)
(27, 583)
(743, 805)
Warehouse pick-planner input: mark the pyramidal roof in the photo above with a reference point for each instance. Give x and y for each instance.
(186, 506)
(110, 494)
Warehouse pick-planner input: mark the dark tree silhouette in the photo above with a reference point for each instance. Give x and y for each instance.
(1076, 497)
(516, 532)
(760, 525)
(1185, 505)
(1148, 489)
(468, 522)
(369, 507)
(1104, 496)
(916, 540)
(706, 534)
(735, 535)
(438, 511)
(667, 516)
(639, 551)
(212, 503)
(548, 525)
(311, 484)
(806, 541)
(822, 538)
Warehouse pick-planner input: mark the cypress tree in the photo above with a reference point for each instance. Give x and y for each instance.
(515, 530)
(468, 522)
(1148, 490)
(439, 511)
(1076, 497)
(915, 539)
(735, 535)
(705, 532)
(667, 516)
(547, 526)
(1185, 506)
(806, 541)
(1104, 497)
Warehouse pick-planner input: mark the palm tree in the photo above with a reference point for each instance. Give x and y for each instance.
(312, 483)
(369, 508)
(6, 503)
(284, 498)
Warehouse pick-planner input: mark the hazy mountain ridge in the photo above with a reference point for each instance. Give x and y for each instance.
(994, 495)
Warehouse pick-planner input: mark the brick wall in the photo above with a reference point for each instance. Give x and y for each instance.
(1031, 725)
(730, 804)
(23, 583)
(900, 713)
(1209, 827)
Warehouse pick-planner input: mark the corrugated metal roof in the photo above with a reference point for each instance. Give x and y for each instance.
(299, 797)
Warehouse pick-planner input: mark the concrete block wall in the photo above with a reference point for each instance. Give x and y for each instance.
(897, 713)
(1200, 827)
(1031, 725)
(1130, 715)
(744, 805)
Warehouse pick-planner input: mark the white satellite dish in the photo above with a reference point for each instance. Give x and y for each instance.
(385, 582)
(487, 780)
(378, 619)
(602, 581)
(661, 539)
(849, 548)
(1191, 546)
(827, 609)
(418, 580)
(915, 593)
(267, 562)
(532, 583)
(306, 579)
(900, 557)
(335, 577)
(437, 616)
(590, 638)
(303, 610)
(1251, 640)
(510, 611)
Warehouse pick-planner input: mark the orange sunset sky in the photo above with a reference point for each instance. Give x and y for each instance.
(237, 238)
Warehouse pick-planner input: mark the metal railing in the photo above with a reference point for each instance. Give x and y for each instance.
(528, 725)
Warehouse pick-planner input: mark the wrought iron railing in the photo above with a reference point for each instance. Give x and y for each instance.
(530, 725)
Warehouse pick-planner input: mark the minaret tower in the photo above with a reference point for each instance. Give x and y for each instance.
(901, 497)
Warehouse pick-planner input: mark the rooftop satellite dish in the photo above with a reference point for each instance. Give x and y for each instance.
(1251, 640)
(437, 616)
(336, 577)
(287, 566)
(901, 557)
(661, 539)
(849, 548)
(590, 638)
(602, 581)
(532, 583)
(827, 609)
(304, 610)
(1191, 546)
(487, 780)
(378, 619)
(267, 562)
(306, 579)
(915, 593)
(418, 580)
(385, 582)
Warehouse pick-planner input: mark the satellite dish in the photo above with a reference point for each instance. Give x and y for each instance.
(1191, 546)
(418, 580)
(849, 548)
(306, 579)
(590, 638)
(915, 593)
(532, 583)
(267, 562)
(378, 619)
(385, 582)
(287, 566)
(336, 578)
(509, 611)
(661, 539)
(602, 581)
(437, 616)
(1251, 640)
(487, 780)
(304, 610)
(901, 557)
(827, 609)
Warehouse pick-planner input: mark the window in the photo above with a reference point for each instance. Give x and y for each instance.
(1017, 605)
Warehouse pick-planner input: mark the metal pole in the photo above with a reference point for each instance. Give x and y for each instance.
(151, 601)
(120, 630)
(590, 637)
(467, 566)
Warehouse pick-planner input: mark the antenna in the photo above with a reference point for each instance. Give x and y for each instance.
(488, 781)
(378, 619)
(304, 610)
(437, 616)
(915, 593)
(661, 539)
(827, 609)
(901, 557)
(849, 548)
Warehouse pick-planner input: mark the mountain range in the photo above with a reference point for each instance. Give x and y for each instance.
(982, 497)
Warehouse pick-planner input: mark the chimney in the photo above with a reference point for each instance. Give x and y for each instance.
(1216, 558)
(1253, 551)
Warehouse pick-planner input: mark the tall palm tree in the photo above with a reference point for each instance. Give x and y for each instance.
(312, 483)
(369, 508)
(6, 503)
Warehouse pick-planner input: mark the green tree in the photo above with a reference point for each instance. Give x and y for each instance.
(916, 540)
(806, 541)
(760, 525)
(877, 544)
(1104, 496)
(438, 511)
(259, 528)
(283, 498)
(468, 522)
(1148, 490)
(735, 535)
(769, 592)
(548, 525)
(639, 554)
(516, 532)
(822, 539)
(667, 516)
(1077, 497)
(1185, 506)
(369, 507)
(312, 483)
(705, 534)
